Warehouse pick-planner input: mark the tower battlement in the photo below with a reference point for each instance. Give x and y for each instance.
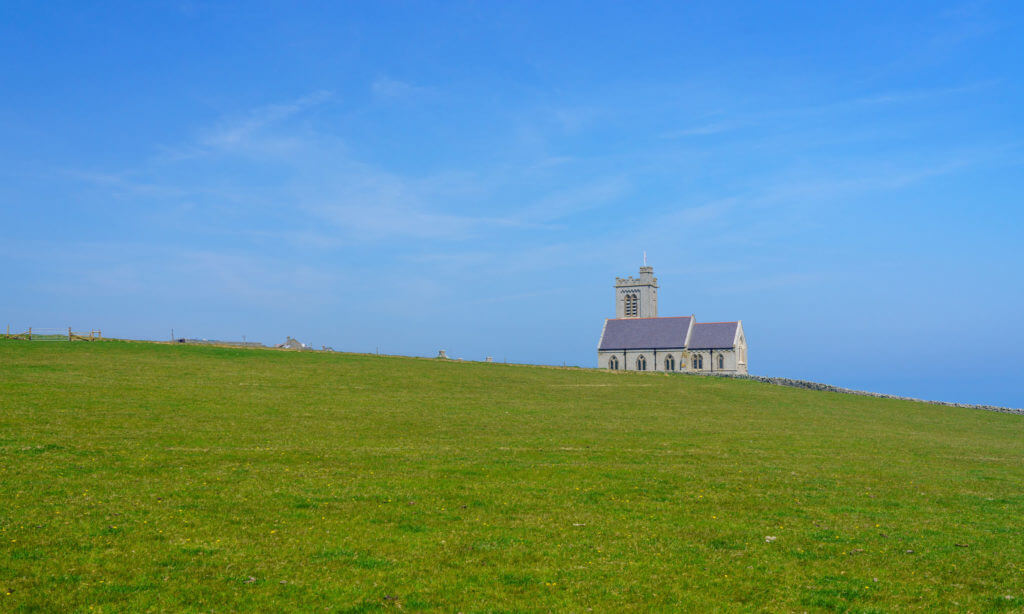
(646, 277)
(634, 281)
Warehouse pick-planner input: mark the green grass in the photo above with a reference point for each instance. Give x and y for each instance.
(140, 477)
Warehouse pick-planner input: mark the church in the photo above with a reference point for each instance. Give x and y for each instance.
(636, 339)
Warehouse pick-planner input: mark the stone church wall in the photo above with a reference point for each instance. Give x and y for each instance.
(683, 360)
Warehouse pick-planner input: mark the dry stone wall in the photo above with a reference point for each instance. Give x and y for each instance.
(797, 383)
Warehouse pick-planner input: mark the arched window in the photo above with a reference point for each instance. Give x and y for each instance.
(613, 362)
(721, 361)
(698, 361)
(632, 306)
(641, 363)
(670, 363)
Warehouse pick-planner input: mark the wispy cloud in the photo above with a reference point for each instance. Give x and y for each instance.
(386, 88)
(857, 179)
(240, 133)
(571, 201)
(250, 276)
(128, 269)
(695, 216)
(367, 221)
(765, 284)
(506, 298)
(124, 183)
(896, 97)
(837, 107)
(572, 119)
(366, 204)
(230, 133)
(325, 198)
(702, 130)
(330, 198)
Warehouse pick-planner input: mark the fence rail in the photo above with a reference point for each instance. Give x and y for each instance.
(53, 334)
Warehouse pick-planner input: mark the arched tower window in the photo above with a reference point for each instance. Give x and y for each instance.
(632, 306)
(698, 361)
(670, 363)
(721, 361)
(641, 363)
(613, 362)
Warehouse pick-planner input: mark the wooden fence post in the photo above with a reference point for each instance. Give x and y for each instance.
(30, 333)
(69, 333)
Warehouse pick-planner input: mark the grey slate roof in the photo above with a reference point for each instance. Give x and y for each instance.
(712, 335)
(645, 333)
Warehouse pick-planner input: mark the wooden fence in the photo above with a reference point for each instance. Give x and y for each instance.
(53, 334)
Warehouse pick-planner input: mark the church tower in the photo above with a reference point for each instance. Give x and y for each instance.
(637, 298)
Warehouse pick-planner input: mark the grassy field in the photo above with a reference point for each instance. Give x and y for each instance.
(138, 476)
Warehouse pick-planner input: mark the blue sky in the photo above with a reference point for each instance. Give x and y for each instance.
(845, 178)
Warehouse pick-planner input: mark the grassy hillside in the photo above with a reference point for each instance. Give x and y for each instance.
(141, 476)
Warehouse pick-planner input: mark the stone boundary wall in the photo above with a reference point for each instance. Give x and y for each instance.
(798, 383)
(235, 344)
